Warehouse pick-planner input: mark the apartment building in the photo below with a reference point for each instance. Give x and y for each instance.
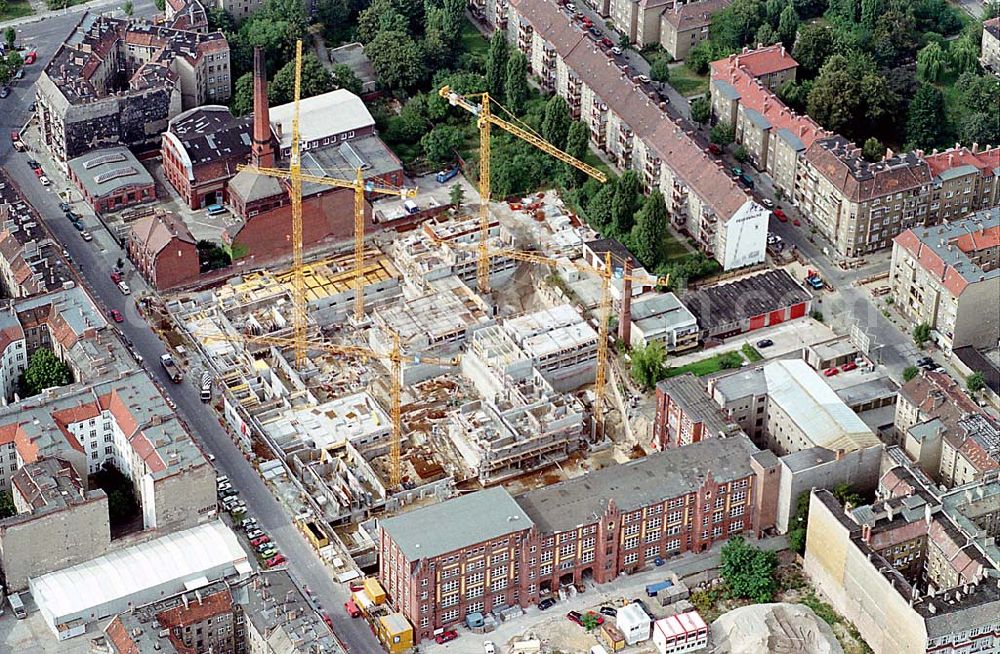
(916, 571)
(490, 550)
(948, 276)
(685, 414)
(964, 180)
(858, 205)
(685, 25)
(743, 91)
(990, 54)
(559, 343)
(639, 20)
(163, 251)
(118, 82)
(630, 126)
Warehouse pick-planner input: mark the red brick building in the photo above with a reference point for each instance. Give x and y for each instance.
(112, 179)
(487, 550)
(163, 251)
(685, 414)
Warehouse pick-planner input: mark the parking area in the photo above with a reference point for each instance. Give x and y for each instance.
(257, 542)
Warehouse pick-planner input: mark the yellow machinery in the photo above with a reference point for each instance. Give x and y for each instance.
(480, 106)
(396, 359)
(295, 177)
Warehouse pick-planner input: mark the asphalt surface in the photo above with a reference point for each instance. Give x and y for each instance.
(94, 261)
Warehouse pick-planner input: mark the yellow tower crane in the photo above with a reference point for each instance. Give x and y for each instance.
(396, 358)
(481, 106)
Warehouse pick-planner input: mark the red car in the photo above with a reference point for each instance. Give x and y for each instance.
(352, 609)
(327, 620)
(607, 43)
(598, 617)
(277, 559)
(39, 172)
(117, 316)
(260, 540)
(797, 223)
(780, 215)
(445, 637)
(356, 586)
(850, 365)
(830, 372)
(574, 616)
(116, 276)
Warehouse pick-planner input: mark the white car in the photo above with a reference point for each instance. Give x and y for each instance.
(123, 287)
(616, 50)
(44, 180)
(489, 647)
(767, 203)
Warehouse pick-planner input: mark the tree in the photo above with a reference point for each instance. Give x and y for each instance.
(599, 207)
(315, 80)
(873, 150)
(721, 134)
(241, 103)
(870, 11)
(740, 153)
(921, 334)
(788, 26)
(7, 508)
(516, 83)
(925, 118)
(800, 523)
(930, 63)
(766, 35)
(834, 100)
(699, 57)
(978, 93)
(344, 78)
(456, 195)
(975, 382)
(128, 8)
(659, 71)
(441, 143)
(813, 46)
(809, 8)
(749, 570)
(963, 53)
(576, 146)
(625, 203)
(496, 65)
(647, 365)
(555, 125)
(980, 127)
(909, 372)
(45, 370)
(398, 60)
(846, 495)
(160, 4)
(650, 231)
(380, 17)
(589, 621)
(701, 110)
(10, 36)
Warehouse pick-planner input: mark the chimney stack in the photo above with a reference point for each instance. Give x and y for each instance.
(263, 151)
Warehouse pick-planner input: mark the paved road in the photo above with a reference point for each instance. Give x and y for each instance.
(94, 261)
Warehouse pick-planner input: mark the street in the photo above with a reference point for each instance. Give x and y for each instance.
(94, 261)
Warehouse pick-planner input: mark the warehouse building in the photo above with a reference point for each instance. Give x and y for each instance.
(112, 179)
(760, 300)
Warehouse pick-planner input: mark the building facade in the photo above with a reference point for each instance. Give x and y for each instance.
(163, 250)
(949, 278)
(685, 414)
(990, 54)
(684, 26)
(965, 180)
(111, 179)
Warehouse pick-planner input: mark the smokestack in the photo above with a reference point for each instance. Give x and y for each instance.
(625, 320)
(263, 152)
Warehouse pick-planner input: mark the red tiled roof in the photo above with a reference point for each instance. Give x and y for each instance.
(985, 160)
(196, 611)
(858, 180)
(764, 61)
(993, 27)
(931, 261)
(973, 241)
(758, 97)
(120, 639)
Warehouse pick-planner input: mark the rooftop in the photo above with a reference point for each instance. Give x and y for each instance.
(277, 608)
(731, 302)
(320, 117)
(158, 230)
(49, 484)
(687, 391)
(693, 14)
(108, 171)
(661, 312)
(978, 362)
(460, 522)
(657, 477)
(210, 133)
(840, 161)
(764, 61)
(945, 163)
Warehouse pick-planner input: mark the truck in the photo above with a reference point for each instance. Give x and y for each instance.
(206, 387)
(173, 372)
(18, 606)
(653, 589)
(814, 280)
(446, 174)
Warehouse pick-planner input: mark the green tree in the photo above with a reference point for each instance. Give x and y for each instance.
(128, 8)
(496, 65)
(991, 9)
(834, 100)
(220, 19)
(846, 495)
(160, 5)
(813, 46)
(772, 10)
(799, 524)
(766, 35)
(380, 16)
(456, 194)
(910, 372)
(7, 508)
(975, 382)
(701, 110)
(647, 365)
(749, 570)
(700, 56)
(555, 126)
(659, 71)
(599, 207)
(241, 103)
(398, 60)
(870, 11)
(651, 230)
(441, 144)
(978, 93)
(516, 83)
(921, 334)
(980, 127)
(45, 370)
(10, 37)
(931, 63)
(740, 153)
(809, 8)
(788, 26)
(589, 621)
(576, 146)
(963, 54)
(625, 203)
(721, 134)
(344, 78)
(315, 80)
(925, 118)
(873, 150)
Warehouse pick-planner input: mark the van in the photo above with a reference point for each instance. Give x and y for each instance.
(411, 207)
(215, 209)
(18, 606)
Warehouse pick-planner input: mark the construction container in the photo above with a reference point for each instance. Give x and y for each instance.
(395, 632)
(612, 637)
(374, 591)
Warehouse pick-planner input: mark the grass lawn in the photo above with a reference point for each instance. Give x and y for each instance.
(687, 82)
(473, 41)
(750, 353)
(953, 110)
(16, 9)
(708, 366)
(675, 249)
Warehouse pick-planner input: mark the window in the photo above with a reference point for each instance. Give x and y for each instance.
(716, 531)
(449, 586)
(674, 545)
(675, 516)
(475, 578)
(425, 622)
(737, 511)
(631, 558)
(587, 557)
(449, 616)
(652, 536)
(632, 530)
(720, 502)
(545, 570)
(652, 552)
(631, 543)
(449, 600)
(735, 527)
(498, 584)
(475, 607)
(654, 523)
(474, 592)
(423, 608)
(567, 550)
(499, 600)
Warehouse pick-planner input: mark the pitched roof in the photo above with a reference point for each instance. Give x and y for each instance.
(859, 180)
(157, 231)
(986, 161)
(763, 61)
(992, 26)
(693, 14)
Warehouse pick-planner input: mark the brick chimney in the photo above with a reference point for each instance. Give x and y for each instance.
(625, 319)
(263, 150)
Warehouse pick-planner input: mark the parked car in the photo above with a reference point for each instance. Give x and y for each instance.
(609, 611)
(830, 372)
(267, 551)
(797, 222)
(736, 171)
(78, 226)
(116, 276)
(356, 586)
(34, 165)
(616, 50)
(850, 365)
(596, 32)
(254, 533)
(446, 636)
(44, 180)
(64, 206)
(73, 216)
(574, 616)
(714, 149)
(276, 560)
(123, 287)
(86, 236)
(31, 107)
(767, 202)
(765, 342)
(352, 609)
(249, 522)
(260, 540)
(546, 604)
(780, 215)
(4, 91)
(489, 647)
(644, 79)
(116, 315)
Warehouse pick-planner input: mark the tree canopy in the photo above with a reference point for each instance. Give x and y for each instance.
(647, 365)
(45, 370)
(749, 570)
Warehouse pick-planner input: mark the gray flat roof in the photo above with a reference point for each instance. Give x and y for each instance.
(342, 160)
(661, 312)
(757, 118)
(727, 90)
(657, 477)
(104, 171)
(687, 391)
(724, 305)
(451, 525)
